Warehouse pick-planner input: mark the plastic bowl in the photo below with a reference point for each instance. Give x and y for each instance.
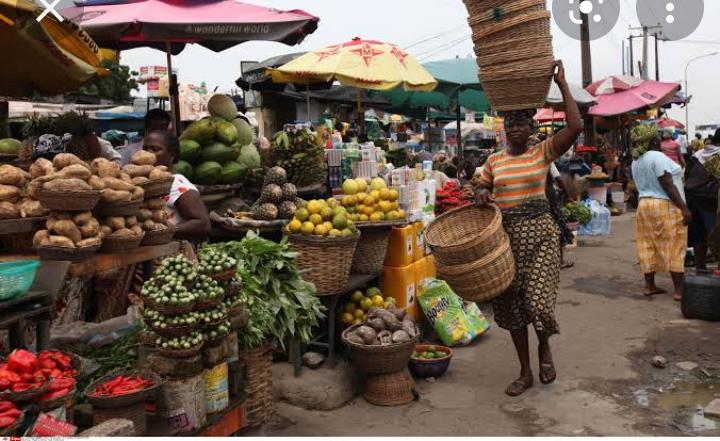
(16, 278)
(421, 368)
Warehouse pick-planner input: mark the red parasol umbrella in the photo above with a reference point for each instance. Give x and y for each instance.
(666, 123)
(647, 94)
(613, 84)
(170, 24)
(545, 115)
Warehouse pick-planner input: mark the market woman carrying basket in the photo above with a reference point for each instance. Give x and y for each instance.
(514, 179)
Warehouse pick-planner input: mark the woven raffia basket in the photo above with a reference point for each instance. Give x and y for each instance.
(159, 237)
(514, 51)
(465, 234)
(68, 200)
(112, 245)
(484, 279)
(370, 251)
(393, 389)
(157, 188)
(376, 359)
(51, 252)
(258, 407)
(105, 209)
(327, 260)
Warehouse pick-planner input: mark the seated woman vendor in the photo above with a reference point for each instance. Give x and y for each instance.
(186, 209)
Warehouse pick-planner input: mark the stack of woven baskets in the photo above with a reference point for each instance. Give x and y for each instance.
(258, 385)
(472, 252)
(514, 51)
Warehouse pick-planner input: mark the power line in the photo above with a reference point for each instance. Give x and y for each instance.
(446, 46)
(425, 40)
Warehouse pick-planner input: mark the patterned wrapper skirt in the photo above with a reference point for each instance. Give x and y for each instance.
(535, 241)
(661, 236)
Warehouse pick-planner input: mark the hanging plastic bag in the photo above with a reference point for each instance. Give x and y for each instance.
(599, 224)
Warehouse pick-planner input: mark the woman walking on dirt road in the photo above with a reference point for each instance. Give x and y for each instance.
(515, 179)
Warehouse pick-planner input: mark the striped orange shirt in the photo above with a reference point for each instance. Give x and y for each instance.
(518, 179)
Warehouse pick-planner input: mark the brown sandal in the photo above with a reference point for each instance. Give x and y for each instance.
(519, 386)
(548, 374)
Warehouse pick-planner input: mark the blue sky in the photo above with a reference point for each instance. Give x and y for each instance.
(437, 29)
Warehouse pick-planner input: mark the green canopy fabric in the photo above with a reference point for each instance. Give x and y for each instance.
(458, 82)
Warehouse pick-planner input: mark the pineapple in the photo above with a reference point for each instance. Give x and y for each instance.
(271, 193)
(289, 192)
(276, 175)
(286, 210)
(265, 212)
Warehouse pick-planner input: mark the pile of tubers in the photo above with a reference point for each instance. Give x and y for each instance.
(69, 230)
(121, 227)
(142, 168)
(14, 199)
(384, 327)
(153, 216)
(116, 185)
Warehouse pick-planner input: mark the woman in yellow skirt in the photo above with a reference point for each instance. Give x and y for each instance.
(662, 215)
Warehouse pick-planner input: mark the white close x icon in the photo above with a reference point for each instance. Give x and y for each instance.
(50, 9)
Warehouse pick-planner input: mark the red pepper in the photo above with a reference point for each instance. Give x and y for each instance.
(4, 384)
(56, 373)
(55, 394)
(7, 421)
(39, 377)
(6, 405)
(26, 378)
(48, 364)
(61, 383)
(19, 387)
(13, 413)
(21, 360)
(11, 376)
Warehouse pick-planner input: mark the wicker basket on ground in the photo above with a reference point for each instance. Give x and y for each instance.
(393, 389)
(465, 235)
(258, 407)
(370, 252)
(483, 279)
(327, 260)
(514, 49)
(375, 359)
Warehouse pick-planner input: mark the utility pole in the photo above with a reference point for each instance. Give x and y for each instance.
(624, 71)
(657, 59)
(587, 77)
(632, 56)
(644, 74)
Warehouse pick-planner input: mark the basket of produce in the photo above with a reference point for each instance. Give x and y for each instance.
(157, 188)
(13, 418)
(148, 337)
(208, 293)
(159, 236)
(465, 234)
(68, 200)
(128, 208)
(51, 252)
(61, 393)
(22, 378)
(483, 279)
(509, 36)
(166, 301)
(430, 361)
(216, 335)
(170, 326)
(122, 388)
(67, 363)
(16, 278)
(69, 236)
(384, 343)
(239, 317)
(369, 256)
(232, 288)
(185, 346)
(212, 318)
(218, 265)
(117, 244)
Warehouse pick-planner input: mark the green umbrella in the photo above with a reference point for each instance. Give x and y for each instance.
(458, 82)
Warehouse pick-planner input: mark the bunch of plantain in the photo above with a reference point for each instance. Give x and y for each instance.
(298, 153)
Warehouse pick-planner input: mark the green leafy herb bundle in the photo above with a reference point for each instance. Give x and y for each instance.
(280, 303)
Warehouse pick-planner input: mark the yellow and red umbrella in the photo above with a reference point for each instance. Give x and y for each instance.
(46, 56)
(365, 64)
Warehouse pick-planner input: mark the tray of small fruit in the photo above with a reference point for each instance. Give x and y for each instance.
(321, 218)
(430, 361)
(371, 203)
(356, 309)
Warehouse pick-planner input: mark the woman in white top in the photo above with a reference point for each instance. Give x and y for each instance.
(186, 209)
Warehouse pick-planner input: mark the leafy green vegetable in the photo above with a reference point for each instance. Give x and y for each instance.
(279, 302)
(577, 212)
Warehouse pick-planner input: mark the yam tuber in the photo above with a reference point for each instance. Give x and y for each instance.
(96, 183)
(68, 229)
(125, 177)
(114, 196)
(118, 184)
(131, 221)
(142, 157)
(115, 222)
(11, 175)
(137, 230)
(61, 241)
(90, 229)
(75, 171)
(63, 160)
(138, 194)
(72, 184)
(154, 204)
(8, 211)
(138, 171)
(41, 238)
(41, 167)
(104, 168)
(139, 180)
(160, 216)
(367, 333)
(144, 214)
(149, 225)
(90, 242)
(105, 231)
(81, 219)
(159, 174)
(30, 208)
(123, 233)
(9, 193)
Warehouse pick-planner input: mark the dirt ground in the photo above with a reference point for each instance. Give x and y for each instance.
(606, 383)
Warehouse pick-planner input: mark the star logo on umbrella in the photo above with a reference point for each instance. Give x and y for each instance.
(329, 52)
(400, 54)
(367, 52)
